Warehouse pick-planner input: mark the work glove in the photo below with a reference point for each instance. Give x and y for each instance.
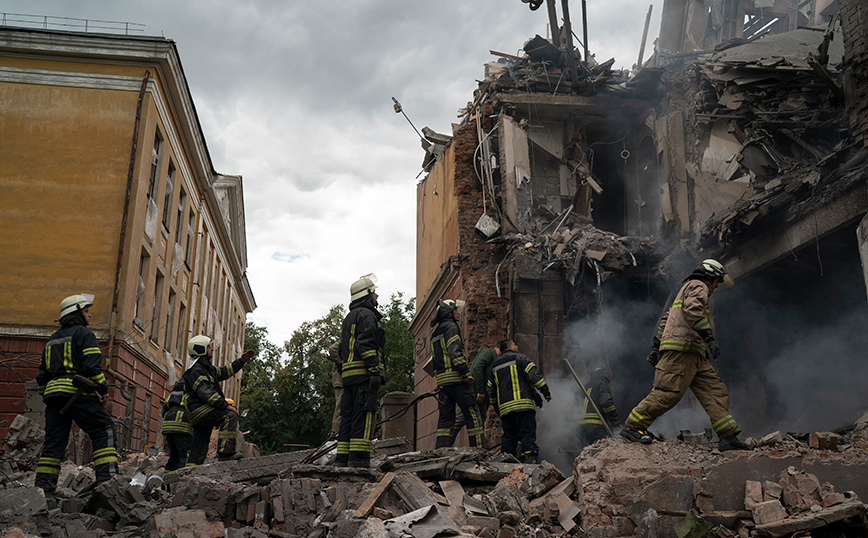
(713, 348)
(373, 388)
(247, 355)
(547, 394)
(654, 356)
(468, 378)
(102, 389)
(537, 399)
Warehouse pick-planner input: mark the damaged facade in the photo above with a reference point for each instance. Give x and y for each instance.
(153, 232)
(566, 210)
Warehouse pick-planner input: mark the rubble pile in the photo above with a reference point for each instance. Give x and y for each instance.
(21, 450)
(781, 487)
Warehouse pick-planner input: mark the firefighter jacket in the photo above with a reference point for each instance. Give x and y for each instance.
(447, 349)
(202, 392)
(514, 378)
(362, 341)
(680, 327)
(174, 415)
(480, 368)
(598, 389)
(71, 350)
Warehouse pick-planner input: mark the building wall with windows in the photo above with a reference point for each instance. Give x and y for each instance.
(154, 233)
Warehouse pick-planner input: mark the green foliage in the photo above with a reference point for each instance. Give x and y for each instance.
(399, 343)
(288, 390)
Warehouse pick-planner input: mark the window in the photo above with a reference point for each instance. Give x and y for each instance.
(138, 314)
(155, 164)
(182, 345)
(158, 295)
(169, 343)
(167, 198)
(190, 232)
(179, 222)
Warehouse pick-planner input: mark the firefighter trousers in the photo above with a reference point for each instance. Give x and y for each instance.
(226, 423)
(178, 445)
(675, 373)
(356, 429)
(462, 395)
(519, 427)
(93, 419)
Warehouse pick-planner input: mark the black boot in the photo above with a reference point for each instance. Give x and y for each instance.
(731, 443)
(342, 461)
(637, 436)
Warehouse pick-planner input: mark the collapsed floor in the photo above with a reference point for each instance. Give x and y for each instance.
(679, 487)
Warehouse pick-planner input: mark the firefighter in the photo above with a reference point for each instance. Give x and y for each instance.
(591, 428)
(176, 428)
(513, 387)
(71, 351)
(206, 406)
(680, 353)
(454, 381)
(480, 369)
(362, 374)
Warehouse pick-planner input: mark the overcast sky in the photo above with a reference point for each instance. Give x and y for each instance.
(295, 96)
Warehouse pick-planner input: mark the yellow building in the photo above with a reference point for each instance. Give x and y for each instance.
(108, 188)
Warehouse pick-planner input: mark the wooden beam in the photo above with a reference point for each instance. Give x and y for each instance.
(372, 498)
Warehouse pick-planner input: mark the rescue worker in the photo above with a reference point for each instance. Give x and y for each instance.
(176, 428)
(680, 353)
(334, 355)
(591, 427)
(362, 374)
(454, 381)
(206, 405)
(73, 350)
(512, 388)
(480, 369)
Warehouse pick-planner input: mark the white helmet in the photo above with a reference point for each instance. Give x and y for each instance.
(714, 269)
(363, 287)
(197, 346)
(74, 303)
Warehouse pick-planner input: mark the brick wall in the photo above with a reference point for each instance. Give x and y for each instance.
(854, 21)
(486, 316)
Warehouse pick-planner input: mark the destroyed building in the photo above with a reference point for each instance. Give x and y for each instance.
(109, 189)
(565, 209)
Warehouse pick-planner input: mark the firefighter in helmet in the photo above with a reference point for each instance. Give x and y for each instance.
(71, 352)
(206, 405)
(680, 353)
(362, 374)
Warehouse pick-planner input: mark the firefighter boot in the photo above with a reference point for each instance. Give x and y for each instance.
(637, 436)
(731, 443)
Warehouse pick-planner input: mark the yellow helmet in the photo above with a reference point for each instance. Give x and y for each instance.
(197, 346)
(230, 401)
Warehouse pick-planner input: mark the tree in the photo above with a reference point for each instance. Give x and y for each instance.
(258, 391)
(399, 343)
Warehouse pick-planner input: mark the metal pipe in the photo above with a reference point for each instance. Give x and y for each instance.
(570, 52)
(588, 396)
(123, 237)
(644, 37)
(585, 27)
(553, 22)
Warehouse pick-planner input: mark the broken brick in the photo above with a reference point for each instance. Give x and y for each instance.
(771, 491)
(753, 494)
(768, 512)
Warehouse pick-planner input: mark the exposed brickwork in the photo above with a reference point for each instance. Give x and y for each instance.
(854, 21)
(486, 313)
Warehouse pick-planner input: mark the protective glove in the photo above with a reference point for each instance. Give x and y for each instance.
(468, 378)
(547, 394)
(654, 357)
(713, 348)
(537, 399)
(102, 389)
(373, 388)
(247, 355)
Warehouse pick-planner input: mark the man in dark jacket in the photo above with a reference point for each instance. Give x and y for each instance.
(591, 427)
(454, 380)
(512, 388)
(206, 406)
(73, 351)
(680, 353)
(362, 374)
(176, 428)
(480, 369)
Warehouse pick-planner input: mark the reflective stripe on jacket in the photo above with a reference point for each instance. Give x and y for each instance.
(449, 362)
(202, 392)
(689, 313)
(602, 396)
(71, 350)
(174, 415)
(513, 377)
(362, 342)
